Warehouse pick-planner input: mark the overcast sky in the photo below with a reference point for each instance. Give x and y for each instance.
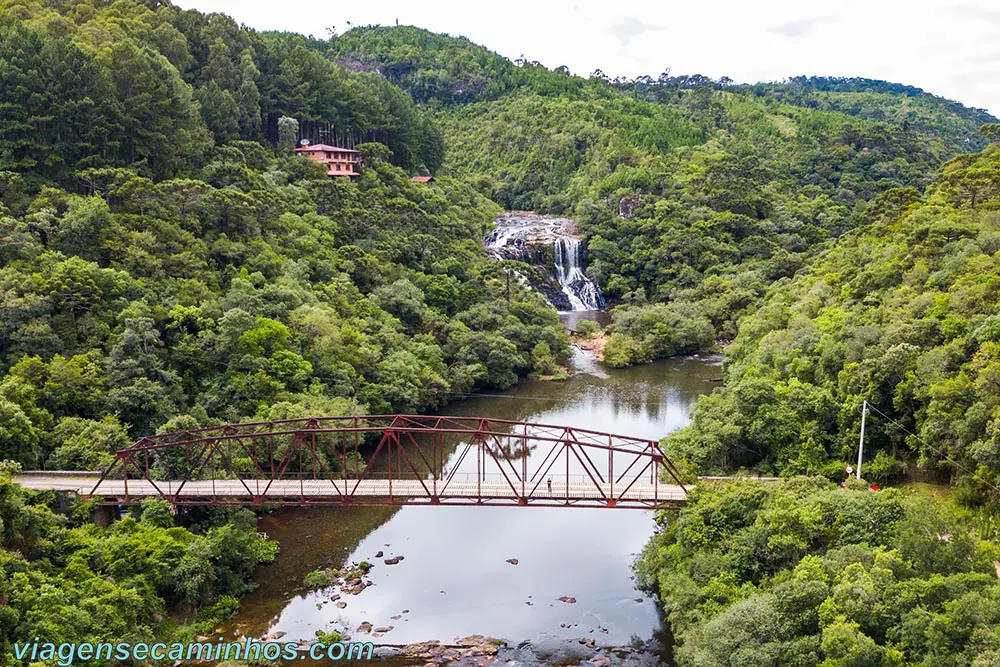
(947, 47)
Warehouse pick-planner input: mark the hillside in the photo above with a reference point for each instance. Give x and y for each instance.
(805, 573)
(101, 85)
(219, 279)
(167, 262)
(904, 313)
(693, 195)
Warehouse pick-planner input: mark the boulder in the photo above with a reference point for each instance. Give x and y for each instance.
(512, 561)
(568, 599)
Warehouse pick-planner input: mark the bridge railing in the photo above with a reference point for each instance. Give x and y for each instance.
(523, 457)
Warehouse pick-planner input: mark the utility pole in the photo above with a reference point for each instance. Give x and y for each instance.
(861, 443)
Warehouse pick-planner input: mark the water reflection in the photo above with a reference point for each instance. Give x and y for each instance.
(454, 580)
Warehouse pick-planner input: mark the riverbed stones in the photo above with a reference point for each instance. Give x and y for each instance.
(340, 605)
(382, 629)
(353, 587)
(568, 599)
(365, 627)
(393, 561)
(378, 554)
(512, 561)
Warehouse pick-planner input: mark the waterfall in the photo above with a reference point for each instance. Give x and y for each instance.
(582, 292)
(526, 237)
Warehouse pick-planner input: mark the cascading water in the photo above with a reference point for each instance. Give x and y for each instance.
(526, 237)
(583, 293)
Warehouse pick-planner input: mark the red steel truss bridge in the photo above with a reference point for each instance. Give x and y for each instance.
(390, 460)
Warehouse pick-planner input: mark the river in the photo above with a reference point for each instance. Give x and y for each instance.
(454, 579)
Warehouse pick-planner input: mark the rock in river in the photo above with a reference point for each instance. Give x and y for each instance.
(512, 561)
(568, 599)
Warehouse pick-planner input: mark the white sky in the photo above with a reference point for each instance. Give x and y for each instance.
(947, 47)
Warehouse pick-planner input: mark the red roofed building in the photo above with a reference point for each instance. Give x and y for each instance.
(338, 161)
(422, 179)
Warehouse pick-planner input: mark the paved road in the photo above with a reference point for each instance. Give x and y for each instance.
(336, 489)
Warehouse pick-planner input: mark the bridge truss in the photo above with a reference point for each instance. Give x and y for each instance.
(393, 460)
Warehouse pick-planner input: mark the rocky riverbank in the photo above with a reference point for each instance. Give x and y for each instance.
(593, 343)
(480, 651)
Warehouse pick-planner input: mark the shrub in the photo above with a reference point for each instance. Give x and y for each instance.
(9, 468)
(328, 638)
(884, 469)
(318, 579)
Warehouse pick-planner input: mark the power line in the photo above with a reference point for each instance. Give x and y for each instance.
(934, 449)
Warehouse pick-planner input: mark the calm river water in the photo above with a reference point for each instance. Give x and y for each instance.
(454, 580)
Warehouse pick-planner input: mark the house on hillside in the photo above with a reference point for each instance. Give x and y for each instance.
(338, 161)
(422, 179)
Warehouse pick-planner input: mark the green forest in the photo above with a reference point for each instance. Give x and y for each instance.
(805, 573)
(168, 262)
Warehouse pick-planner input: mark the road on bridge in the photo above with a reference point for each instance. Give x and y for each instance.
(356, 492)
(383, 460)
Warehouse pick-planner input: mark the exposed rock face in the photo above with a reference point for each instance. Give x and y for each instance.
(550, 246)
(627, 206)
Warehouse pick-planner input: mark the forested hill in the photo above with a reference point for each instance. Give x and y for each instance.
(693, 195)
(164, 264)
(907, 107)
(904, 312)
(95, 84)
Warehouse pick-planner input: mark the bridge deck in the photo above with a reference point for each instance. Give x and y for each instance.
(367, 491)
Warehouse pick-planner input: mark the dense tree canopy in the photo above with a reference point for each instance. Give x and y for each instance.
(903, 312)
(161, 252)
(689, 192)
(167, 262)
(65, 579)
(804, 573)
(121, 84)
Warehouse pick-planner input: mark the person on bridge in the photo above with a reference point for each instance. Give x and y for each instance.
(549, 482)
